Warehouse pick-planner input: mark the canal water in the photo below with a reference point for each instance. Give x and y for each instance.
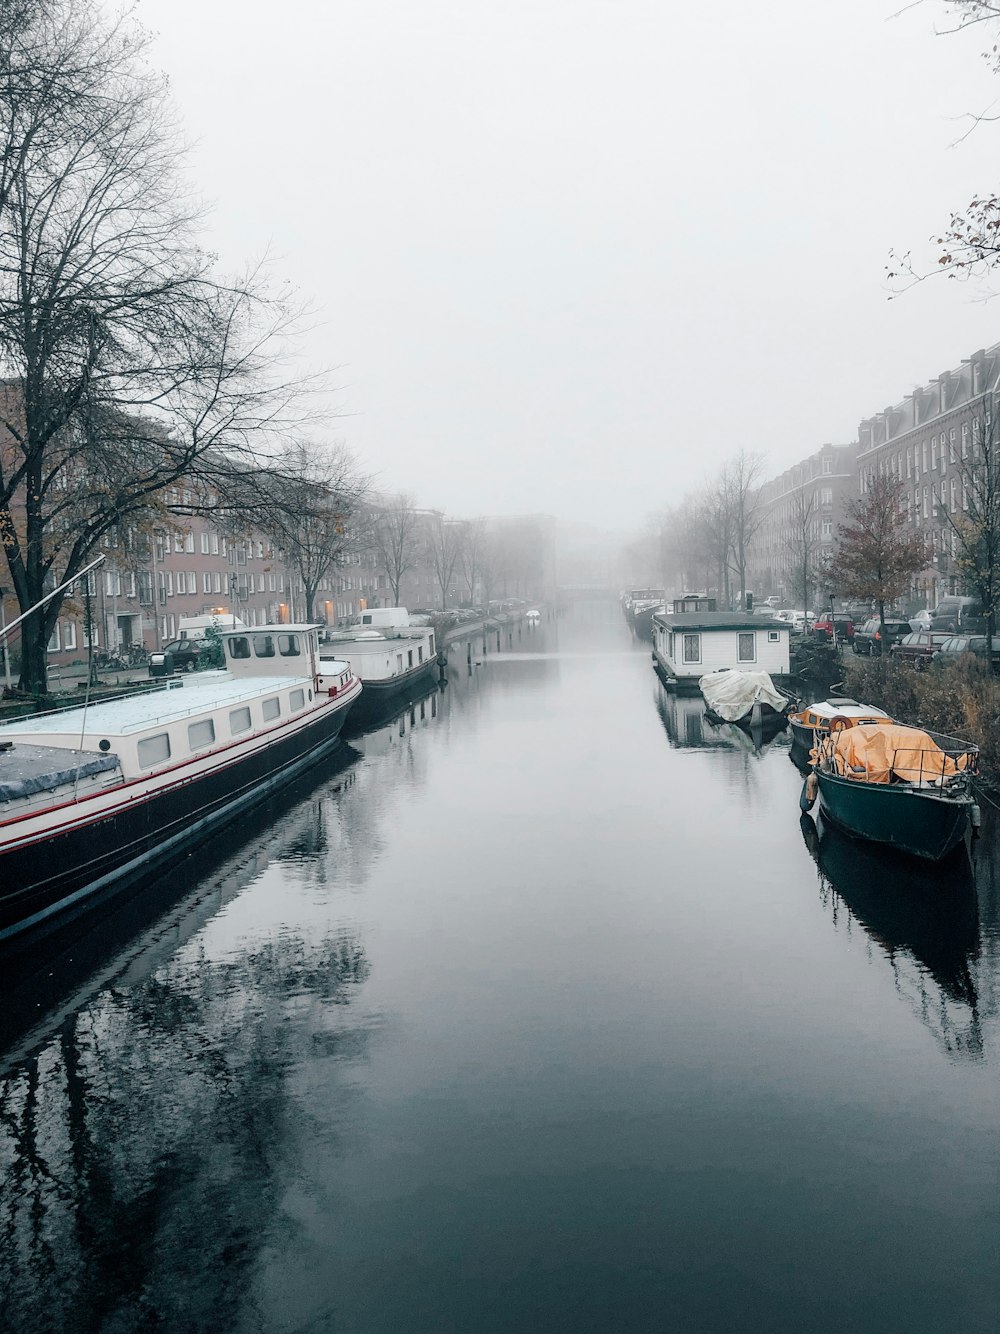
(540, 1010)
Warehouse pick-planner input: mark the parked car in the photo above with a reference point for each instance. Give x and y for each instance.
(976, 644)
(772, 601)
(841, 627)
(918, 647)
(922, 620)
(868, 637)
(182, 654)
(959, 615)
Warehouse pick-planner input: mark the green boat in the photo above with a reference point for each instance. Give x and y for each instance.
(901, 786)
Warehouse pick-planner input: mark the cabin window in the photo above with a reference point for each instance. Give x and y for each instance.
(409, 658)
(430, 643)
(272, 708)
(201, 734)
(239, 646)
(288, 646)
(692, 648)
(153, 750)
(263, 646)
(773, 636)
(239, 721)
(399, 662)
(296, 700)
(746, 648)
(420, 654)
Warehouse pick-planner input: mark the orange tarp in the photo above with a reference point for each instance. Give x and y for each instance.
(877, 754)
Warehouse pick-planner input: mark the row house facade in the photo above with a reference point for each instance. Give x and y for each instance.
(930, 441)
(799, 513)
(146, 587)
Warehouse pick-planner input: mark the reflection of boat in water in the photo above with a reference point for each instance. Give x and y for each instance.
(897, 785)
(689, 728)
(133, 932)
(388, 709)
(923, 917)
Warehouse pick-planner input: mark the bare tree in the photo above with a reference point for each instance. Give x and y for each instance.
(395, 535)
(804, 546)
(313, 508)
(475, 558)
(741, 481)
(444, 541)
(127, 363)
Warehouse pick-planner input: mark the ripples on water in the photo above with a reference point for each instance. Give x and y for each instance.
(539, 1009)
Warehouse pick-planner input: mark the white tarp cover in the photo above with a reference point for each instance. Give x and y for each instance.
(733, 694)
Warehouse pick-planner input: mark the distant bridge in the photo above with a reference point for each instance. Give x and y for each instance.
(586, 593)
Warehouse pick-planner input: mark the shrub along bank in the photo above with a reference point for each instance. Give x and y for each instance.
(961, 698)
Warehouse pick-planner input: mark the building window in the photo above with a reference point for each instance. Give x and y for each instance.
(746, 649)
(954, 490)
(692, 648)
(827, 529)
(215, 544)
(965, 440)
(206, 581)
(189, 543)
(826, 495)
(828, 465)
(204, 544)
(69, 634)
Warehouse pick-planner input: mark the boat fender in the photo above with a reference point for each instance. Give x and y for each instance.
(976, 817)
(809, 789)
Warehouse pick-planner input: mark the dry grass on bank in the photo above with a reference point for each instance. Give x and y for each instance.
(961, 698)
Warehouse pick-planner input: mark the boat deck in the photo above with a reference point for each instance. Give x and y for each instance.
(132, 713)
(26, 769)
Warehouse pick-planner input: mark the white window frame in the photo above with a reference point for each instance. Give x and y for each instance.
(690, 639)
(741, 637)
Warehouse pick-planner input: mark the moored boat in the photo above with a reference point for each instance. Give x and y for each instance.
(749, 699)
(93, 797)
(389, 658)
(809, 725)
(897, 785)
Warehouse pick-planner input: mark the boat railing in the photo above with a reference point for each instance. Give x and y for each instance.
(71, 705)
(952, 763)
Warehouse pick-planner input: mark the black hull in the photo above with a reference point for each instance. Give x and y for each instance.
(50, 875)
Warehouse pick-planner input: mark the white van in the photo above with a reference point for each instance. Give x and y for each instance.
(383, 617)
(194, 627)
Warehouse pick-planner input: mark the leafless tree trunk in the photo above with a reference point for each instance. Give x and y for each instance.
(126, 362)
(445, 539)
(395, 535)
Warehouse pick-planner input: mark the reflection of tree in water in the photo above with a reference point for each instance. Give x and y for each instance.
(143, 1146)
(922, 918)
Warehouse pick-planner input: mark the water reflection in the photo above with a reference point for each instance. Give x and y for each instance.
(146, 1143)
(923, 918)
(688, 728)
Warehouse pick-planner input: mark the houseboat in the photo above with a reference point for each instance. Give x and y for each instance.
(387, 654)
(93, 797)
(689, 643)
(641, 604)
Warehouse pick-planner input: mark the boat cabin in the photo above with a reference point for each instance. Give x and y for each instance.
(687, 645)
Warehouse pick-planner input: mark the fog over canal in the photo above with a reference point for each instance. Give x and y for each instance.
(540, 1010)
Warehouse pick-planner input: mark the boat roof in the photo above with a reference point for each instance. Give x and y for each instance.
(847, 708)
(134, 713)
(296, 627)
(719, 620)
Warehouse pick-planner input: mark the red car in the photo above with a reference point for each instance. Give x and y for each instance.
(841, 626)
(917, 649)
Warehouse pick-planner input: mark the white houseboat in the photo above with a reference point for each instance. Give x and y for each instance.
(387, 654)
(93, 797)
(689, 644)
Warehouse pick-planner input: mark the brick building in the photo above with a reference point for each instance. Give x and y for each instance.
(930, 440)
(800, 511)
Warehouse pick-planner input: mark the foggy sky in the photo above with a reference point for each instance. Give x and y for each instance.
(569, 254)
